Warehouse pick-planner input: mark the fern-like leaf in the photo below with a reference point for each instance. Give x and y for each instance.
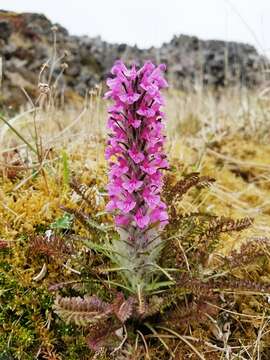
(82, 311)
(123, 308)
(177, 190)
(50, 245)
(223, 224)
(82, 190)
(249, 253)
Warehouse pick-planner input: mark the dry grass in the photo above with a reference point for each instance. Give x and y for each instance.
(227, 138)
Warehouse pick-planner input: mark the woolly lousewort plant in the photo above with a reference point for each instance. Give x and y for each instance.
(136, 161)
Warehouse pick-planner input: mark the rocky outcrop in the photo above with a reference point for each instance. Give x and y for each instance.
(26, 42)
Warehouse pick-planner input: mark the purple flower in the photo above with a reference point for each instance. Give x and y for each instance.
(112, 150)
(159, 215)
(129, 98)
(127, 204)
(112, 205)
(148, 167)
(135, 149)
(151, 89)
(122, 220)
(132, 184)
(146, 111)
(136, 155)
(115, 186)
(141, 220)
(134, 122)
(151, 199)
(120, 168)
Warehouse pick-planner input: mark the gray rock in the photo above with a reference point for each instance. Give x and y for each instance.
(190, 61)
(5, 30)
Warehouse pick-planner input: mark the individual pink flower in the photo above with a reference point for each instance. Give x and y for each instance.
(150, 198)
(136, 123)
(122, 220)
(127, 204)
(136, 155)
(159, 215)
(151, 89)
(141, 220)
(148, 167)
(112, 204)
(112, 150)
(115, 108)
(161, 163)
(129, 98)
(120, 168)
(120, 69)
(156, 180)
(115, 186)
(132, 184)
(146, 111)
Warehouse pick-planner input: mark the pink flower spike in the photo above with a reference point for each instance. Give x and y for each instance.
(135, 147)
(141, 220)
